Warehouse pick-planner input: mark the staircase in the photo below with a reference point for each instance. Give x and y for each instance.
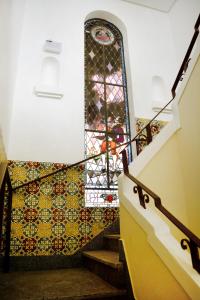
(106, 263)
(102, 276)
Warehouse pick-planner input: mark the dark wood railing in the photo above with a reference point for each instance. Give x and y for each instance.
(193, 241)
(6, 191)
(186, 60)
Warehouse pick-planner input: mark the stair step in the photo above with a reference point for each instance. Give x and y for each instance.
(109, 258)
(68, 284)
(106, 264)
(111, 242)
(112, 236)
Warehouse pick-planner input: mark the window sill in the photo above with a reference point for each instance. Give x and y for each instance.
(48, 92)
(157, 106)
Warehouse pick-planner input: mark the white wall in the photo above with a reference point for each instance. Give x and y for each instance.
(52, 130)
(11, 18)
(183, 16)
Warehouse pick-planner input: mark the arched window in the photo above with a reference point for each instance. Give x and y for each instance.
(106, 110)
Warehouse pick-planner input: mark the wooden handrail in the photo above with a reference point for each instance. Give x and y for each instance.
(144, 194)
(186, 60)
(57, 171)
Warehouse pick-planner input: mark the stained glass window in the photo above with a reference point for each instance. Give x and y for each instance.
(106, 111)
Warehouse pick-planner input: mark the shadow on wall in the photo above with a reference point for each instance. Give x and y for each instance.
(3, 160)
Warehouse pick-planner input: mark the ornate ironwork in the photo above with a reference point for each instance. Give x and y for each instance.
(185, 243)
(143, 198)
(146, 198)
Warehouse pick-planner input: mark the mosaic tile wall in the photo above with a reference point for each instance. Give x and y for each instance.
(156, 126)
(49, 217)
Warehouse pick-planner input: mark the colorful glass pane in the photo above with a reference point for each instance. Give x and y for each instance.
(106, 111)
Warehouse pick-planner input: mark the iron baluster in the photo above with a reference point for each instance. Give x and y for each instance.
(194, 252)
(125, 162)
(143, 198)
(149, 134)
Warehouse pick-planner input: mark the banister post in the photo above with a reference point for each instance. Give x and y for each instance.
(149, 134)
(6, 266)
(125, 162)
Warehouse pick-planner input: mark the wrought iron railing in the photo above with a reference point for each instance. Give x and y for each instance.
(193, 242)
(144, 194)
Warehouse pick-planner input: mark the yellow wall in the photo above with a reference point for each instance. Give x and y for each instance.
(188, 140)
(174, 172)
(151, 280)
(163, 175)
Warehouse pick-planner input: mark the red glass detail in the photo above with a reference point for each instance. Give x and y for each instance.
(109, 198)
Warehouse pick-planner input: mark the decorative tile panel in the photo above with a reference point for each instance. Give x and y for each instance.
(49, 217)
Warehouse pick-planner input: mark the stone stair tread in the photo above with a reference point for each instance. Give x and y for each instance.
(107, 257)
(112, 236)
(68, 284)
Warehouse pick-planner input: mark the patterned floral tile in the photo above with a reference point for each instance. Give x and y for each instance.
(49, 216)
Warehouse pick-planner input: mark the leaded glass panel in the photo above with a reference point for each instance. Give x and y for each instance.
(106, 111)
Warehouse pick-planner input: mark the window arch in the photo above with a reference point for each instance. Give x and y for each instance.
(106, 110)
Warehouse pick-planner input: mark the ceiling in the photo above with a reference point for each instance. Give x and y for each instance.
(161, 5)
